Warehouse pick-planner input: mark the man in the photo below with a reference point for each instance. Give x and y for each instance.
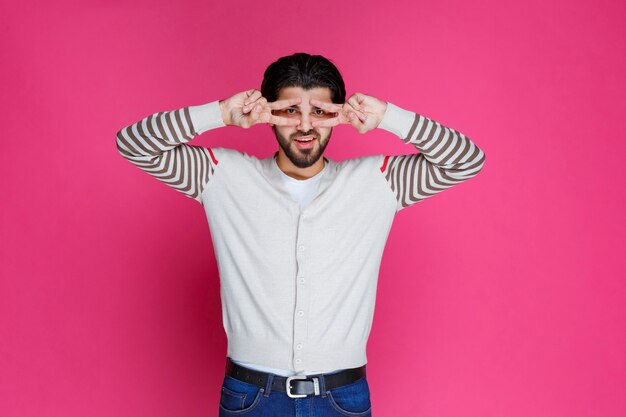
(298, 237)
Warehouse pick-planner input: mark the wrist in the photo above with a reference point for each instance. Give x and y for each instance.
(382, 113)
(224, 112)
(206, 116)
(397, 120)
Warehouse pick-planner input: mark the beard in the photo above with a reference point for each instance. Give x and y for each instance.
(302, 158)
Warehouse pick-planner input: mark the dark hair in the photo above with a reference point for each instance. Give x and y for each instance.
(305, 71)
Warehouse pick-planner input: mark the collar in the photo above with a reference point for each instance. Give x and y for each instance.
(273, 173)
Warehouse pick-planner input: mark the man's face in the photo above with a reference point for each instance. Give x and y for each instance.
(291, 138)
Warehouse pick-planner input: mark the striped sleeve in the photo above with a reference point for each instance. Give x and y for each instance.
(157, 145)
(446, 157)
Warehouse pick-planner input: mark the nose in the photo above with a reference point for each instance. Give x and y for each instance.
(305, 122)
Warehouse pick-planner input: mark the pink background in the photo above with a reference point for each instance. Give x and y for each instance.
(503, 296)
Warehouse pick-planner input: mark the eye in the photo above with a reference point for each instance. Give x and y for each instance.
(319, 112)
(289, 110)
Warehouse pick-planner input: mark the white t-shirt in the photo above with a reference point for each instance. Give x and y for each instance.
(303, 191)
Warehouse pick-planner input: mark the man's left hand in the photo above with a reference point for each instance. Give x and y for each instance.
(363, 112)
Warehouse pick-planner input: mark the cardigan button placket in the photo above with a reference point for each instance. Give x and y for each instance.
(300, 321)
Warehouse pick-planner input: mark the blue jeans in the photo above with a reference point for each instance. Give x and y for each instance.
(240, 398)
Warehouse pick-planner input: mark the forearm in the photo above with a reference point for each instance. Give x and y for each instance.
(157, 145)
(444, 147)
(447, 157)
(163, 131)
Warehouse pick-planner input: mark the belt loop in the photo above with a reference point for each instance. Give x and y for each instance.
(322, 385)
(268, 386)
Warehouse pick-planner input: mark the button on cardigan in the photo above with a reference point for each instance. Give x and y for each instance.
(298, 286)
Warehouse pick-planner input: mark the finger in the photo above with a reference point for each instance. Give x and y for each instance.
(255, 114)
(252, 94)
(355, 117)
(356, 123)
(360, 98)
(355, 103)
(258, 114)
(259, 100)
(329, 107)
(362, 117)
(358, 116)
(281, 104)
(283, 121)
(355, 120)
(327, 123)
(350, 109)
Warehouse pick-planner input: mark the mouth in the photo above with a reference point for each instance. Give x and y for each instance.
(305, 142)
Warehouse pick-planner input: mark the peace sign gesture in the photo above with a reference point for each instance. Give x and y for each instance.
(249, 107)
(363, 112)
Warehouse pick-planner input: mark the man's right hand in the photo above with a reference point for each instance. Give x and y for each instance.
(249, 107)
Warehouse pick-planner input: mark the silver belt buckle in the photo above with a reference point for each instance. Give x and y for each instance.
(291, 378)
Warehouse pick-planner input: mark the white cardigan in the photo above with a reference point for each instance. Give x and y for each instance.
(298, 287)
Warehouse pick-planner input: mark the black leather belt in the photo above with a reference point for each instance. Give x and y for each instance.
(296, 386)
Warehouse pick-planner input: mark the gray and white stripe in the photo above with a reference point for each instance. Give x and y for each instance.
(156, 144)
(447, 158)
